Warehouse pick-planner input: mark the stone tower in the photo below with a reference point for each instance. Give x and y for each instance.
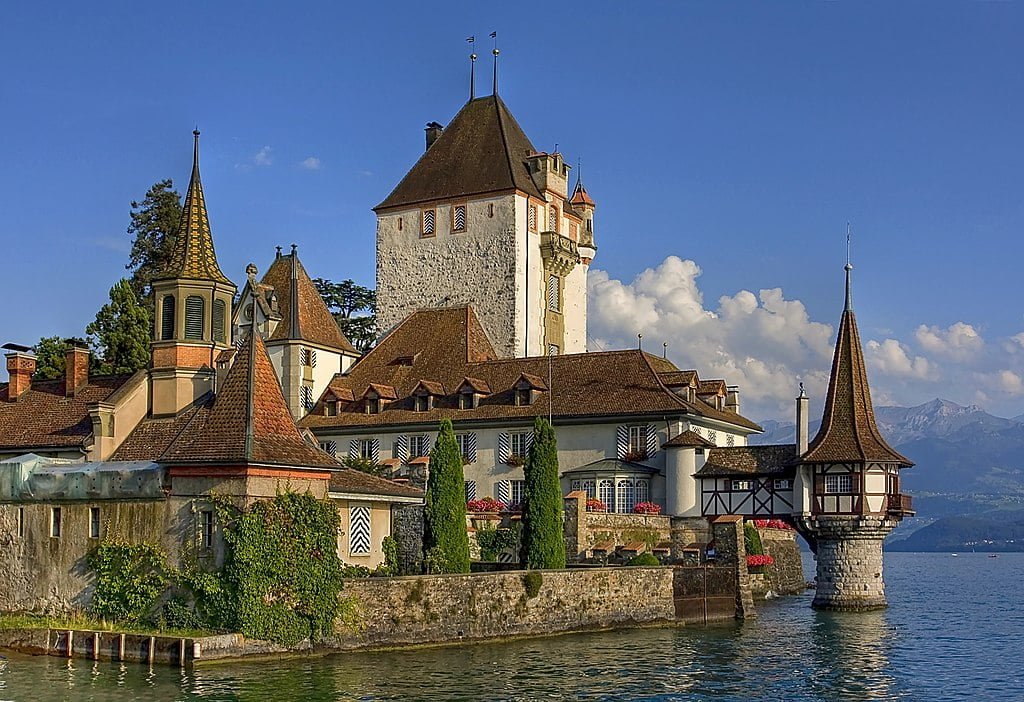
(485, 219)
(193, 308)
(847, 486)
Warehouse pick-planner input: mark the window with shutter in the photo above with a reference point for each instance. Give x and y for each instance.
(554, 294)
(219, 333)
(503, 447)
(419, 445)
(359, 530)
(503, 491)
(470, 490)
(429, 217)
(553, 349)
(401, 448)
(516, 492)
(467, 446)
(552, 219)
(353, 448)
(194, 308)
(531, 218)
(167, 317)
(306, 396)
(459, 218)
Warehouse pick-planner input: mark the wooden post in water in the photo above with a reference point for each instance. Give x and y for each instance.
(181, 652)
(152, 649)
(71, 642)
(95, 645)
(120, 648)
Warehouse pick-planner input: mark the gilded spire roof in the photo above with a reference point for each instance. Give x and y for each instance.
(193, 255)
(848, 432)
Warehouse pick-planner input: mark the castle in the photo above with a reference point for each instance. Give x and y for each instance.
(482, 258)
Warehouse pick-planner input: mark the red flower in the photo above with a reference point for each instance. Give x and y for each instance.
(647, 508)
(596, 505)
(486, 504)
(760, 559)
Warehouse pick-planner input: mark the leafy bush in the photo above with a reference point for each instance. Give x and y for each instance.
(752, 540)
(364, 465)
(493, 541)
(644, 559)
(532, 580)
(130, 579)
(647, 508)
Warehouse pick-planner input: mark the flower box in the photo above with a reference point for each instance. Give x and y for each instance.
(647, 508)
(596, 506)
(486, 504)
(515, 461)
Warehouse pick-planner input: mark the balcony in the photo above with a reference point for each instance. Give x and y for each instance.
(900, 506)
(560, 253)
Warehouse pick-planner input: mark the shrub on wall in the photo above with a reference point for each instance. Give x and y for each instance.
(644, 559)
(752, 540)
(532, 582)
(543, 540)
(445, 539)
(494, 541)
(130, 578)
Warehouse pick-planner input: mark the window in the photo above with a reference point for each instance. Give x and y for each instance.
(552, 219)
(524, 396)
(366, 449)
(373, 405)
(606, 493)
(428, 222)
(553, 349)
(785, 484)
(740, 485)
(517, 444)
(554, 294)
(418, 446)
(531, 218)
(490, 210)
(467, 400)
(637, 441)
(306, 397)
(331, 408)
(359, 530)
(399, 224)
(459, 218)
(21, 522)
(712, 436)
(55, 522)
(194, 310)
(167, 317)
(94, 522)
(470, 486)
(625, 496)
(218, 321)
(330, 447)
(730, 440)
(841, 483)
(307, 357)
(422, 403)
(467, 446)
(516, 493)
(643, 491)
(206, 525)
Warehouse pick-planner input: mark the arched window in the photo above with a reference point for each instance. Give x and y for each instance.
(625, 497)
(167, 317)
(194, 309)
(219, 333)
(606, 493)
(643, 492)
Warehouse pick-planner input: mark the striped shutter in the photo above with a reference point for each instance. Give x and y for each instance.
(503, 447)
(359, 530)
(529, 442)
(471, 447)
(622, 442)
(353, 449)
(218, 320)
(331, 447)
(312, 358)
(428, 444)
(375, 450)
(553, 302)
(552, 219)
(531, 218)
(428, 221)
(460, 218)
(470, 490)
(503, 491)
(307, 397)
(402, 448)
(652, 441)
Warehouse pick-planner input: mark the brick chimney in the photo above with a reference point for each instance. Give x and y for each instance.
(76, 367)
(21, 364)
(732, 399)
(433, 130)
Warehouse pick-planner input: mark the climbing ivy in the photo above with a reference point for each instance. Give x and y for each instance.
(493, 541)
(130, 578)
(752, 540)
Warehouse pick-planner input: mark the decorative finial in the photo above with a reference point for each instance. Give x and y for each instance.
(278, 252)
(640, 341)
(664, 349)
(295, 248)
(495, 52)
(802, 393)
(251, 271)
(848, 267)
(472, 66)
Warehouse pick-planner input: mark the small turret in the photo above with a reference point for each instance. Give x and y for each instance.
(583, 204)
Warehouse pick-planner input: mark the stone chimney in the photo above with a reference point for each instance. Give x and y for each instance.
(434, 130)
(21, 364)
(732, 399)
(76, 367)
(802, 428)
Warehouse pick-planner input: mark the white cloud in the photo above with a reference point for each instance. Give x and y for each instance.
(959, 341)
(263, 157)
(1004, 381)
(1017, 342)
(310, 164)
(890, 357)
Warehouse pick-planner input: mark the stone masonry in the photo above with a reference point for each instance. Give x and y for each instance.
(849, 555)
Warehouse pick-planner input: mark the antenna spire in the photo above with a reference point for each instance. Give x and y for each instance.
(495, 52)
(472, 66)
(848, 268)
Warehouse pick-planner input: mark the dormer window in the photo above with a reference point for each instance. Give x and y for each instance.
(524, 397)
(372, 404)
(468, 400)
(526, 388)
(423, 403)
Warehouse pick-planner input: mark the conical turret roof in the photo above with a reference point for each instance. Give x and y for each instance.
(848, 432)
(193, 255)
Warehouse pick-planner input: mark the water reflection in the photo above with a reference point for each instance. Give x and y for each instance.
(850, 653)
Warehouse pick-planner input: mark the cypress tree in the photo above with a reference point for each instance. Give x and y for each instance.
(445, 539)
(543, 541)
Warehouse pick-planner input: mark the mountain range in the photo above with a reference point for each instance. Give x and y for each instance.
(968, 477)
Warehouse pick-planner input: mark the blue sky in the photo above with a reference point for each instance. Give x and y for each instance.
(740, 137)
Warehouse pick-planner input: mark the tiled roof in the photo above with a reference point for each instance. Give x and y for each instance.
(749, 460)
(42, 416)
(431, 387)
(248, 422)
(711, 387)
(193, 255)
(450, 348)
(688, 439)
(612, 465)
(303, 312)
(580, 195)
(476, 385)
(347, 480)
(848, 431)
(153, 436)
(483, 150)
(678, 378)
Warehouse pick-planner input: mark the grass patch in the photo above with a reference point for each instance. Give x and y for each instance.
(79, 621)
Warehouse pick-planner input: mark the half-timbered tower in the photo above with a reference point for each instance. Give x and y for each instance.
(847, 490)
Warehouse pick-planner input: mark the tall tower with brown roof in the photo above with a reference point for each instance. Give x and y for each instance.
(302, 337)
(193, 308)
(848, 486)
(485, 219)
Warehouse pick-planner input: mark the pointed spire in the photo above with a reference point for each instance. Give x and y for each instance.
(472, 66)
(495, 52)
(193, 255)
(293, 285)
(848, 268)
(848, 432)
(579, 193)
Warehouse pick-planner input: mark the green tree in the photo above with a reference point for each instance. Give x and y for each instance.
(121, 331)
(445, 539)
(354, 309)
(51, 353)
(154, 223)
(543, 541)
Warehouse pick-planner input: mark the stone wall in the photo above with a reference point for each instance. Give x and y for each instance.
(731, 551)
(849, 561)
(583, 529)
(407, 530)
(786, 575)
(450, 608)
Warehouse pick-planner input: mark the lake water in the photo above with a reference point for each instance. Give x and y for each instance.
(954, 630)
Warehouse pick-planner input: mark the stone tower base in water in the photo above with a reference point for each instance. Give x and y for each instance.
(849, 556)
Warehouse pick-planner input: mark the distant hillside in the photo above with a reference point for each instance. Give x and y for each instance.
(994, 531)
